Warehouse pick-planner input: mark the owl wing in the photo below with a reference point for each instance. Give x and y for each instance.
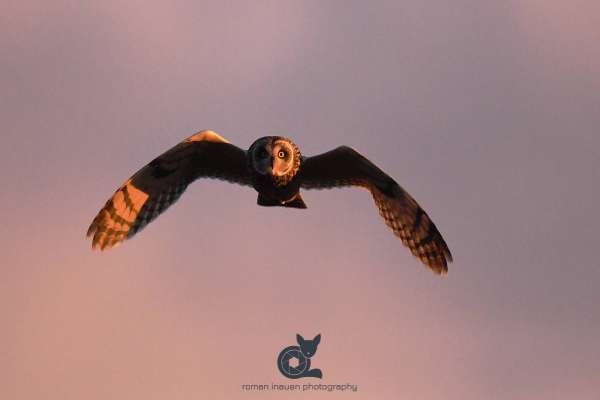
(346, 167)
(152, 189)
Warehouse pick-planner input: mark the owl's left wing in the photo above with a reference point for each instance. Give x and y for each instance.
(346, 167)
(159, 184)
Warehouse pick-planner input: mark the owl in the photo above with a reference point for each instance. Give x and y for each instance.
(276, 169)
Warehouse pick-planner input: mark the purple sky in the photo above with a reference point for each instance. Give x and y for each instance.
(487, 112)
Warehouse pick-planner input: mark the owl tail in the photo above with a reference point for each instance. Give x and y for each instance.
(297, 202)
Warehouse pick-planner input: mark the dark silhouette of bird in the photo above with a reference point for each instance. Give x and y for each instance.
(275, 168)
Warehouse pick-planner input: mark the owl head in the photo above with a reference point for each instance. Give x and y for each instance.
(275, 156)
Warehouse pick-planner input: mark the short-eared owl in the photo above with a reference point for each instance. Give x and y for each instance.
(275, 168)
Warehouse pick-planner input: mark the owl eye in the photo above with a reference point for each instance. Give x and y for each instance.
(262, 153)
(281, 154)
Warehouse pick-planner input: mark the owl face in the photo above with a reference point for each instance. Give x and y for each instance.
(275, 156)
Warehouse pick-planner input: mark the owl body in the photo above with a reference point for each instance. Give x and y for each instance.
(270, 194)
(275, 168)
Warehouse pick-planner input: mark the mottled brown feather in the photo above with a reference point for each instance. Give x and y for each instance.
(159, 184)
(346, 167)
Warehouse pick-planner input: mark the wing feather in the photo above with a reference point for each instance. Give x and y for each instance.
(346, 167)
(159, 184)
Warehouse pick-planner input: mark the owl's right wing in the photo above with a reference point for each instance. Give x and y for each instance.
(152, 189)
(346, 167)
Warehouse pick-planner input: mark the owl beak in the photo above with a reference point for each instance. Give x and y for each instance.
(271, 166)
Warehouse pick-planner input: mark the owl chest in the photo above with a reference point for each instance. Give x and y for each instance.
(267, 187)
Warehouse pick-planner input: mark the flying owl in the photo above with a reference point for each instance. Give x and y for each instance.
(274, 167)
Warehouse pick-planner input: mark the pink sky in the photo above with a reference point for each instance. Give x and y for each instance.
(487, 113)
